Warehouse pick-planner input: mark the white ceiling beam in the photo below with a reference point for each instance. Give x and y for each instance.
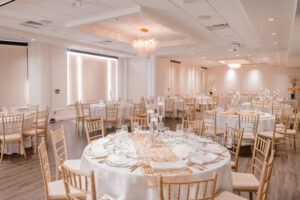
(97, 18)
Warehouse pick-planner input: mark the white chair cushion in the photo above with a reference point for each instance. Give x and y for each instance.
(72, 164)
(225, 195)
(212, 132)
(31, 131)
(269, 134)
(57, 190)
(288, 131)
(12, 137)
(244, 182)
(248, 136)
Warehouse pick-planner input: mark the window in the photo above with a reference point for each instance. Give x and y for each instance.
(91, 77)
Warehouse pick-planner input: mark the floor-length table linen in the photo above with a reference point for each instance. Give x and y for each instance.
(121, 184)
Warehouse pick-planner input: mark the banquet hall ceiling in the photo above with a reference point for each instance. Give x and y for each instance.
(198, 31)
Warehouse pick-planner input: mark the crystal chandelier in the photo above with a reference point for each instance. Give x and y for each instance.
(145, 45)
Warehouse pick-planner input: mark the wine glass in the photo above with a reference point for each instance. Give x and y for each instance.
(161, 110)
(135, 127)
(124, 128)
(178, 128)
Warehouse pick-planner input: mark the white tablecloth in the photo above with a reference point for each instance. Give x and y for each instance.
(124, 110)
(12, 148)
(266, 121)
(267, 107)
(122, 184)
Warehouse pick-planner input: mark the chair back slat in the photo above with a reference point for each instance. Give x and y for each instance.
(232, 140)
(265, 178)
(94, 129)
(44, 162)
(190, 190)
(59, 145)
(196, 125)
(84, 183)
(260, 155)
(12, 124)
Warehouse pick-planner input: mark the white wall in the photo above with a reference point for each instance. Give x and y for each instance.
(183, 79)
(47, 71)
(139, 75)
(250, 78)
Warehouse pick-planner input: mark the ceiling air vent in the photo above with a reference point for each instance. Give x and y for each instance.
(217, 27)
(32, 24)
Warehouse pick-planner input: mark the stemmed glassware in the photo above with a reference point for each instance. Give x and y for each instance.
(160, 110)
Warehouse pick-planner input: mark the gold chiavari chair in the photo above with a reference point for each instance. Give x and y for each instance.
(53, 189)
(204, 189)
(265, 179)
(190, 113)
(81, 182)
(215, 100)
(190, 101)
(210, 125)
(111, 115)
(169, 107)
(94, 129)
(181, 104)
(142, 121)
(263, 184)
(197, 126)
(275, 136)
(249, 182)
(291, 133)
(32, 108)
(12, 132)
(259, 106)
(92, 101)
(250, 124)
(232, 141)
(39, 129)
(79, 118)
(59, 144)
(129, 100)
(139, 110)
(277, 109)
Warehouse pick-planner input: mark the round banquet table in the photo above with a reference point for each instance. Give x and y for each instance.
(124, 110)
(142, 183)
(267, 107)
(266, 121)
(224, 100)
(13, 146)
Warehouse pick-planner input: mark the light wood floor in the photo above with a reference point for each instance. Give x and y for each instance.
(22, 179)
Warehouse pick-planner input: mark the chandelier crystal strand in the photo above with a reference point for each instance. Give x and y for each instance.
(145, 46)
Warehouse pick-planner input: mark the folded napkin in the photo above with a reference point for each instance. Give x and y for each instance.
(182, 150)
(214, 148)
(97, 151)
(118, 161)
(168, 166)
(201, 158)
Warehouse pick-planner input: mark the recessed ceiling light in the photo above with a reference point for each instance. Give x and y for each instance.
(237, 55)
(33, 39)
(203, 57)
(249, 55)
(274, 42)
(270, 19)
(230, 50)
(274, 33)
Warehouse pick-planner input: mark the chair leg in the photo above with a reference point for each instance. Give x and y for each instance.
(250, 195)
(19, 148)
(22, 144)
(2, 151)
(295, 142)
(57, 174)
(35, 144)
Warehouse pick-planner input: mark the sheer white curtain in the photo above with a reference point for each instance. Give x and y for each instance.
(13, 75)
(91, 77)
